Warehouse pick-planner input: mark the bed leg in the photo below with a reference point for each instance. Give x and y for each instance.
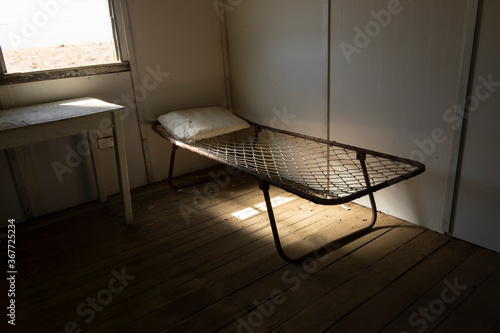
(171, 168)
(264, 186)
(171, 172)
(320, 251)
(362, 160)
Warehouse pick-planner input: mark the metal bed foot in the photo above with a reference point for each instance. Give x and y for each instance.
(329, 247)
(171, 171)
(320, 251)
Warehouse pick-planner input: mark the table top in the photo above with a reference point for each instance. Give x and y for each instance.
(51, 112)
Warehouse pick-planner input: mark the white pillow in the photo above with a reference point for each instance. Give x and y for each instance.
(201, 123)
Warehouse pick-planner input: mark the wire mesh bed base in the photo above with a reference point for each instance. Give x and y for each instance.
(321, 171)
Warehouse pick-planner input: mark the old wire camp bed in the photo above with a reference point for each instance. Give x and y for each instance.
(324, 172)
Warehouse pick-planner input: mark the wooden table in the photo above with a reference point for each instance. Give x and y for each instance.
(26, 125)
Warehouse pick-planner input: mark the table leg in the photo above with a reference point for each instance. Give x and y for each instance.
(121, 164)
(96, 163)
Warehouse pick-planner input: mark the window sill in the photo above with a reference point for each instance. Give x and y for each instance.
(62, 73)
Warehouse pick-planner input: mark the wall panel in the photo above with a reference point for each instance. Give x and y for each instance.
(278, 54)
(181, 40)
(477, 213)
(395, 73)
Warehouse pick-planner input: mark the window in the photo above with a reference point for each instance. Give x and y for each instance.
(44, 35)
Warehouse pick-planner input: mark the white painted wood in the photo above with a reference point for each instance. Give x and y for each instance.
(27, 179)
(139, 84)
(278, 59)
(393, 93)
(328, 47)
(42, 124)
(477, 212)
(31, 124)
(120, 15)
(121, 161)
(457, 133)
(3, 68)
(96, 163)
(49, 113)
(182, 38)
(114, 88)
(78, 186)
(12, 201)
(225, 52)
(23, 187)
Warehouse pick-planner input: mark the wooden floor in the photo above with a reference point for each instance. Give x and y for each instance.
(188, 265)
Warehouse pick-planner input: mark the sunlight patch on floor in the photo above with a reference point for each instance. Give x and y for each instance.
(261, 207)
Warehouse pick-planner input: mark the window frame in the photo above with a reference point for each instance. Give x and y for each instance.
(121, 65)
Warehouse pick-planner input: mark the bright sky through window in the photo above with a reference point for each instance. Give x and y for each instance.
(47, 34)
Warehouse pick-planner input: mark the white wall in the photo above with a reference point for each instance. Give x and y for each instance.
(477, 213)
(391, 93)
(11, 206)
(182, 38)
(177, 62)
(278, 58)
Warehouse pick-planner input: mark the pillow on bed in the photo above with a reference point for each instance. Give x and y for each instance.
(202, 123)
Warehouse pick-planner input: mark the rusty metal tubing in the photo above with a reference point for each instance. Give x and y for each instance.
(362, 157)
(336, 144)
(171, 171)
(171, 167)
(264, 184)
(327, 248)
(320, 251)
(298, 192)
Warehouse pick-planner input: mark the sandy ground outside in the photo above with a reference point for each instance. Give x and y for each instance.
(40, 58)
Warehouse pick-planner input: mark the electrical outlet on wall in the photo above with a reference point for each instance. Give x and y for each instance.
(104, 143)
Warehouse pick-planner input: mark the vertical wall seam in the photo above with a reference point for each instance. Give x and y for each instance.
(329, 67)
(466, 80)
(328, 80)
(135, 78)
(225, 54)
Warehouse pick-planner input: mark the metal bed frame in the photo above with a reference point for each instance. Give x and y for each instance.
(321, 171)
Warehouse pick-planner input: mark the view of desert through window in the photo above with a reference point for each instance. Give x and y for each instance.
(47, 34)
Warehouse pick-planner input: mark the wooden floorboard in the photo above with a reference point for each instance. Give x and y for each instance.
(437, 303)
(486, 296)
(188, 265)
(379, 310)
